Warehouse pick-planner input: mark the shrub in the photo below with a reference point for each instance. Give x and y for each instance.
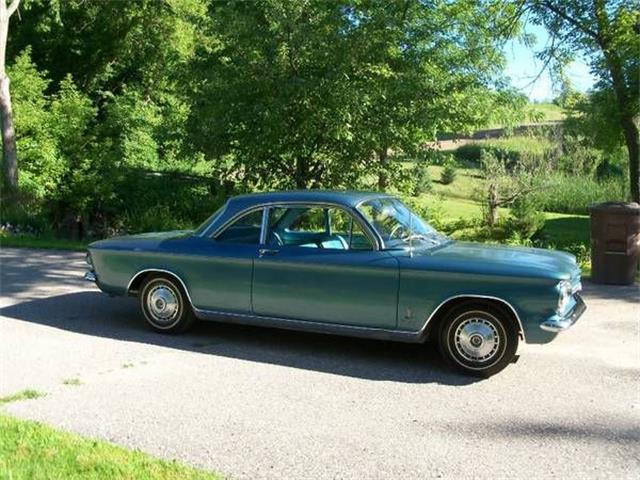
(449, 172)
(525, 219)
(510, 149)
(614, 165)
(16, 219)
(144, 201)
(422, 180)
(159, 218)
(469, 153)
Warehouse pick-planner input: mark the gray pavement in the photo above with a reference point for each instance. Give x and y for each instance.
(257, 403)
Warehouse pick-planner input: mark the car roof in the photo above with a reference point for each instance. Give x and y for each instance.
(340, 197)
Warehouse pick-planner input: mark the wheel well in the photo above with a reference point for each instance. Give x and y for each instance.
(433, 327)
(140, 277)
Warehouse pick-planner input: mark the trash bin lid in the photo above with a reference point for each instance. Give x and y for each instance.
(619, 208)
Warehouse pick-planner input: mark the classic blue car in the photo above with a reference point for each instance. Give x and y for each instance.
(348, 263)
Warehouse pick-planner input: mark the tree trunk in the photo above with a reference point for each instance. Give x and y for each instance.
(10, 154)
(631, 134)
(624, 98)
(383, 179)
(301, 174)
(628, 124)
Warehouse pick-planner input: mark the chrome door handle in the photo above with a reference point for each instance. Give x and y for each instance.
(263, 252)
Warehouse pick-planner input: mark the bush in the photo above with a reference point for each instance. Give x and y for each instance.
(525, 219)
(15, 219)
(449, 172)
(160, 218)
(469, 153)
(509, 149)
(422, 180)
(144, 201)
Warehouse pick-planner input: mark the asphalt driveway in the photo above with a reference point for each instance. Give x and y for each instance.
(257, 403)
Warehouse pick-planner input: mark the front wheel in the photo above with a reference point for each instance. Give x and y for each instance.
(478, 339)
(164, 305)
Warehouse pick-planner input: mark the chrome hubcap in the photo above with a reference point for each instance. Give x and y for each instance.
(163, 304)
(477, 340)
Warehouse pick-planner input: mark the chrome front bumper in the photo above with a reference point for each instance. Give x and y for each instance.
(559, 323)
(90, 276)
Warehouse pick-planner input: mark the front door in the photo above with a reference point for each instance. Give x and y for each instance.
(319, 265)
(220, 268)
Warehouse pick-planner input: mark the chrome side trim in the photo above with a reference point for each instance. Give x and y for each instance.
(309, 326)
(339, 329)
(160, 270)
(264, 226)
(485, 297)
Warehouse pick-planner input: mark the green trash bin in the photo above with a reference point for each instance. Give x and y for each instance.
(615, 242)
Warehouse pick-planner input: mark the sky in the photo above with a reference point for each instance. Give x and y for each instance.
(523, 67)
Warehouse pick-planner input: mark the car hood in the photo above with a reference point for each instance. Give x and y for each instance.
(140, 240)
(496, 259)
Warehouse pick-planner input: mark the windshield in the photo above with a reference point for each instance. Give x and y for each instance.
(398, 226)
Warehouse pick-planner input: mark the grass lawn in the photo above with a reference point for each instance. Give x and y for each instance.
(550, 111)
(570, 228)
(29, 241)
(456, 201)
(465, 185)
(35, 451)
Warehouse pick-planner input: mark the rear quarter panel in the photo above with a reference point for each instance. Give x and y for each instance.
(216, 277)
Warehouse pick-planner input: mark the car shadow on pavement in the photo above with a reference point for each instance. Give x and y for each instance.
(94, 313)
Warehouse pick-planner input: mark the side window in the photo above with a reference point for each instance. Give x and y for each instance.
(316, 227)
(309, 220)
(342, 224)
(245, 230)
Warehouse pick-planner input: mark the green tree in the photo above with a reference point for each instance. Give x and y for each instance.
(40, 166)
(428, 68)
(310, 94)
(607, 32)
(55, 136)
(505, 184)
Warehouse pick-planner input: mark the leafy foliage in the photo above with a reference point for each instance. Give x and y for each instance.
(311, 94)
(145, 115)
(606, 33)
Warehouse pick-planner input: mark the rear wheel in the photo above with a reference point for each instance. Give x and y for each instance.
(478, 339)
(164, 305)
